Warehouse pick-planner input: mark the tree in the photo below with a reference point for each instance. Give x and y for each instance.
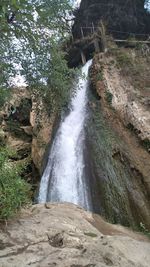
(30, 36)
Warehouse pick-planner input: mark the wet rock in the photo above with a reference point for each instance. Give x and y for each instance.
(119, 165)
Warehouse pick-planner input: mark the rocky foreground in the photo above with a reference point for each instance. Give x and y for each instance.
(65, 235)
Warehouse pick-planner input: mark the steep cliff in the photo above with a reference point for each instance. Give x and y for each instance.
(120, 17)
(118, 136)
(26, 128)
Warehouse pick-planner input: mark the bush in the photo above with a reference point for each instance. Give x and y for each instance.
(99, 76)
(4, 94)
(124, 60)
(109, 97)
(14, 191)
(146, 143)
(144, 230)
(2, 138)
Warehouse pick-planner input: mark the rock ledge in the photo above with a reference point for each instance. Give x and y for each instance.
(65, 235)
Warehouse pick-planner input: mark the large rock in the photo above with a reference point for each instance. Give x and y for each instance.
(27, 125)
(65, 235)
(121, 19)
(42, 124)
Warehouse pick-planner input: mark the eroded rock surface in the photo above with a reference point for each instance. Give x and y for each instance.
(65, 235)
(26, 125)
(42, 124)
(119, 165)
(126, 99)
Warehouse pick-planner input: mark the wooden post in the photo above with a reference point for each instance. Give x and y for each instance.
(96, 45)
(72, 37)
(102, 36)
(83, 58)
(93, 27)
(82, 32)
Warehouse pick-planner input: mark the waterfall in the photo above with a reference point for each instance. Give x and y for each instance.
(64, 177)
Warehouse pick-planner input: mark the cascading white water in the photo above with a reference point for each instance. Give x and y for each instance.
(64, 177)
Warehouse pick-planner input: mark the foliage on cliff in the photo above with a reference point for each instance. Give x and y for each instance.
(14, 191)
(31, 33)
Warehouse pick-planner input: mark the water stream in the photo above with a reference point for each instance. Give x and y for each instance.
(64, 178)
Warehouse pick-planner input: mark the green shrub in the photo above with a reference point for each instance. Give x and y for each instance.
(99, 76)
(124, 59)
(144, 230)
(4, 94)
(14, 191)
(109, 97)
(146, 143)
(2, 138)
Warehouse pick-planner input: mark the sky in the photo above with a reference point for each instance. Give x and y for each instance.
(77, 2)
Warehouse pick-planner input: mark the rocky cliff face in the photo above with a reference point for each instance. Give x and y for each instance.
(118, 137)
(129, 16)
(42, 124)
(26, 128)
(65, 235)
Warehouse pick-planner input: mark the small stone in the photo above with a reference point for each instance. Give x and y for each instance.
(104, 243)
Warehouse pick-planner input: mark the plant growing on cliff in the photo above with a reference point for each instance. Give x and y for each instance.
(146, 144)
(144, 230)
(14, 191)
(109, 97)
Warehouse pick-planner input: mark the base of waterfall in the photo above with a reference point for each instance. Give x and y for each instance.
(65, 235)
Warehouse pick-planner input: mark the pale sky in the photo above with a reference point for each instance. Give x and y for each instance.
(77, 2)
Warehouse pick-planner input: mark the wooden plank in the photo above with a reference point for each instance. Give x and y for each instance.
(82, 32)
(93, 27)
(132, 41)
(83, 58)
